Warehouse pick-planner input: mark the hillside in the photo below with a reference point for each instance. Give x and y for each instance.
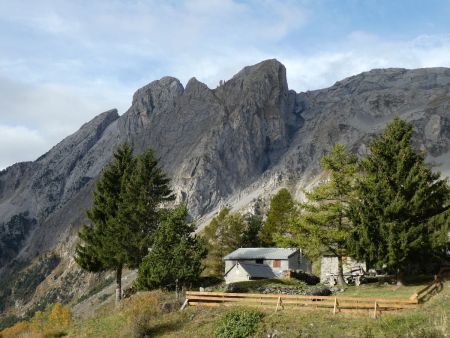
(228, 145)
(157, 314)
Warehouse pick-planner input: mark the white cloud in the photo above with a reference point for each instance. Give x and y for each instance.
(19, 143)
(61, 63)
(362, 52)
(33, 118)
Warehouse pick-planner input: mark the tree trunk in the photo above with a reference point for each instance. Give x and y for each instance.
(340, 276)
(400, 278)
(118, 284)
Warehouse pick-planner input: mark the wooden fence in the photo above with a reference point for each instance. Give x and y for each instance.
(334, 304)
(424, 294)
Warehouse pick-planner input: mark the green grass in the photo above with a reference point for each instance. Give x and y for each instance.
(382, 291)
(107, 323)
(430, 320)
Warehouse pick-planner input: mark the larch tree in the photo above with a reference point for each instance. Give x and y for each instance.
(281, 209)
(225, 233)
(321, 223)
(402, 210)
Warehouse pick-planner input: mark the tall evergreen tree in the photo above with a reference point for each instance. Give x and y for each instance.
(402, 208)
(125, 214)
(176, 254)
(143, 195)
(322, 224)
(278, 218)
(102, 246)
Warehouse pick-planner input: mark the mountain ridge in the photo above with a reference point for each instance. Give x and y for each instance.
(227, 145)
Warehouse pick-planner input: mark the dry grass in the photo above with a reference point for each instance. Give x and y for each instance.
(156, 314)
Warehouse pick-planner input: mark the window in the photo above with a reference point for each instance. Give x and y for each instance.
(276, 263)
(259, 261)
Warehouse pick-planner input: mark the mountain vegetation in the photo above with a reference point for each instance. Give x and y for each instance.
(401, 210)
(225, 233)
(175, 257)
(230, 145)
(321, 224)
(388, 209)
(278, 218)
(125, 214)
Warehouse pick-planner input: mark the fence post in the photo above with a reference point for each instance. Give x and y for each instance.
(335, 305)
(186, 302)
(278, 304)
(375, 311)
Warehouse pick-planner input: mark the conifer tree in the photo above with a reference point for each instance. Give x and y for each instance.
(125, 214)
(278, 218)
(225, 233)
(102, 246)
(176, 255)
(143, 195)
(401, 212)
(322, 224)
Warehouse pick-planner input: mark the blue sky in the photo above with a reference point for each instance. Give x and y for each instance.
(63, 62)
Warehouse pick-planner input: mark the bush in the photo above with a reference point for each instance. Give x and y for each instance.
(52, 321)
(17, 330)
(238, 323)
(144, 308)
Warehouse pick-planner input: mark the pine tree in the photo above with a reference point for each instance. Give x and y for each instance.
(102, 246)
(402, 208)
(322, 223)
(176, 254)
(278, 218)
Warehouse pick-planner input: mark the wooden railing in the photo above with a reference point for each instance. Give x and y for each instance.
(424, 294)
(336, 304)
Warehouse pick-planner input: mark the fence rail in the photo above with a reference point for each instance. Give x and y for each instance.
(424, 294)
(336, 304)
(373, 305)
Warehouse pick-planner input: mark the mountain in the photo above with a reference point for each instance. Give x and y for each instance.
(228, 145)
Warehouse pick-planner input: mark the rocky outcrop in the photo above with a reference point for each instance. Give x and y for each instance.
(229, 145)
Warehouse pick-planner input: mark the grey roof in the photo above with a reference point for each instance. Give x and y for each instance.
(261, 253)
(256, 270)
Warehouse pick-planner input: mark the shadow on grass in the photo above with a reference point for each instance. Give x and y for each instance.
(162, 328)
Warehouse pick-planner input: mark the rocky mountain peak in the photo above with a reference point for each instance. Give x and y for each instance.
(255, 85)
(167, 87)
(195, 87)
(228, 145)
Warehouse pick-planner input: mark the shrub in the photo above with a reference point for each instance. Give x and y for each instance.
(17, 330)
(143, 308)
(52, 321)
(238, 323)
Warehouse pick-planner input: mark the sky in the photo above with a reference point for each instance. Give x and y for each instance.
(64, 62)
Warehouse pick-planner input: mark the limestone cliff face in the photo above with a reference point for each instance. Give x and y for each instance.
(244, 138)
